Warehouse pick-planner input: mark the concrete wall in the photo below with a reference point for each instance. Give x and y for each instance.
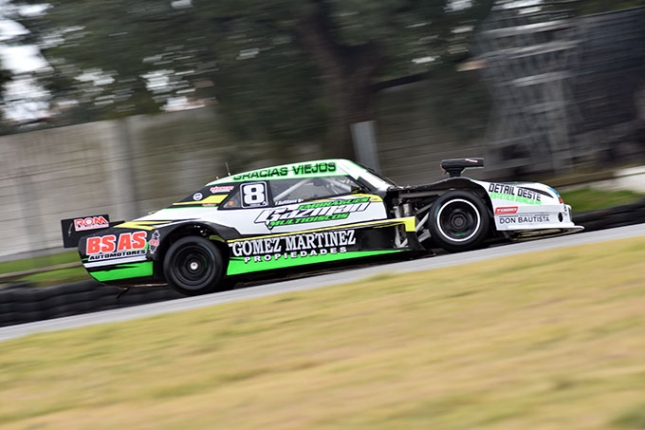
(174, 154)
(53, 174)
(125, 168)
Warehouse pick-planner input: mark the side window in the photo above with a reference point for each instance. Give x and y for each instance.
(298, 190)
(232, 201)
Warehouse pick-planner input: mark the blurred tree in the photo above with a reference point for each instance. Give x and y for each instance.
(287, 69)
(5, 77)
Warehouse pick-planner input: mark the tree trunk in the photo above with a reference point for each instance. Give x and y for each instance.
(347, 73)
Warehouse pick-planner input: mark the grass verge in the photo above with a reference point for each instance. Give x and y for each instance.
(550, 340)
(38, 262)
(48, 277)
(588, 199)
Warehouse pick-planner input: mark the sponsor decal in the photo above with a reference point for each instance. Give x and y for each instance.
(198, 196)
(153, 244)
(288, 202)
(296, 246)
(90, 223)
(307, 169)
(330, 210)
(112, 246)
(295, 170)
(217, 190)
(506, 210)
(264, 173)
(514, 194)
(525, 219)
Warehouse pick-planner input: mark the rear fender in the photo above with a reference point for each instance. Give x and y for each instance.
(163, 237)
(443, 186)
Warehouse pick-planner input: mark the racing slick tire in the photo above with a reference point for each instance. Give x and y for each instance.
(459, 221)
(193, 265)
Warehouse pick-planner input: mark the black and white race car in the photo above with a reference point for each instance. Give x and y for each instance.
(274, 220)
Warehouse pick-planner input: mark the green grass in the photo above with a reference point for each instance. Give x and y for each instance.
(38, 262)
(49, 277)
(586, 199)
(551, 340)
(57, 277)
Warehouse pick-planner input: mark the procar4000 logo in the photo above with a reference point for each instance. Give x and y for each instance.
(312, 212)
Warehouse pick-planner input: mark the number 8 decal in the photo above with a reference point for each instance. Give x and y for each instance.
(254, 195)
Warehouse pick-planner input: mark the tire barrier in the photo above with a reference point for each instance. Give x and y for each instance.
(23, 303)
(617, 216)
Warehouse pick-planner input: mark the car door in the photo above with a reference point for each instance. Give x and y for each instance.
(296, 204)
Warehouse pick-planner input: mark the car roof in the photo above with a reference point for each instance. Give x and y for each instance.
(305, 169)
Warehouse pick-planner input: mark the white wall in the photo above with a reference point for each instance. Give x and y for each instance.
(124, 168)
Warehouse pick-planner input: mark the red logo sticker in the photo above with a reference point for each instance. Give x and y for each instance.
(109, 243)
(227, 189)
(90, 223)
(506, 210)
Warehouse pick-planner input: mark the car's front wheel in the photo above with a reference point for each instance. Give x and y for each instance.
(194, 265)
(459, 221)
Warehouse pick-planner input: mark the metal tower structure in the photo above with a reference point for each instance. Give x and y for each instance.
(529, 54)
(610, 86)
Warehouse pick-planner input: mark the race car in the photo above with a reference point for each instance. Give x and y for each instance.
(320, 213)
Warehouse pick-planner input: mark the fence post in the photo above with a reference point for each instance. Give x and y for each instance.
(364, 139)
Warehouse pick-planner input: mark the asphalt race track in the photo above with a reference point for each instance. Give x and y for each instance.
(188, 303)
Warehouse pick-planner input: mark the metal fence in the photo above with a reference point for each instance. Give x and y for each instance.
(566, 90)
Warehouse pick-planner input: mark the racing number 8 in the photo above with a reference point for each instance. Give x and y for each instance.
(254, 194)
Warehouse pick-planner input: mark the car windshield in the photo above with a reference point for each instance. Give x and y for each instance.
(376, 180)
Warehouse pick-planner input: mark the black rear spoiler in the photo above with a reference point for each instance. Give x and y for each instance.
(454, 166)
(75, 228)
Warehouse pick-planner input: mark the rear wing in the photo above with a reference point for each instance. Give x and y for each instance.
(75, 228)
(454, 166)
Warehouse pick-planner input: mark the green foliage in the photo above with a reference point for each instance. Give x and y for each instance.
(263, 62)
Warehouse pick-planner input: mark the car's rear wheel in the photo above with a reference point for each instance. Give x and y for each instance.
(459, 221)
(194, 265)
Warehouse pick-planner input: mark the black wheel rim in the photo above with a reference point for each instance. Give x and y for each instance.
(194, 266)
(458, 220)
